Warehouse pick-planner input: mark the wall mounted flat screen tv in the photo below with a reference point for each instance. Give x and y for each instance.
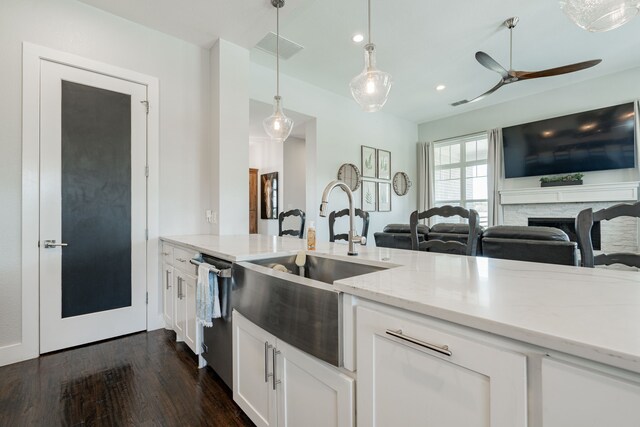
(594, 140)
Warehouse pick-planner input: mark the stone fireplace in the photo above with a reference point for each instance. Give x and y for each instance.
(568, 225)
(617, 235)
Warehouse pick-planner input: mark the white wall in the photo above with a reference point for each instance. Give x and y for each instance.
(294, 174)
(229, 130)
(183, 71)
(267, 156)
(335, 137)
(588, 95)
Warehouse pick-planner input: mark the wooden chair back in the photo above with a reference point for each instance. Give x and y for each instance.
(584, 222)
(470, 248)
(291, 232)
(345, 212)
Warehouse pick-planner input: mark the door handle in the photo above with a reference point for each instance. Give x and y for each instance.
(442, 349)
(48, 244)
(276, 352)
(267, 346)
(179, 287)
(168, 282)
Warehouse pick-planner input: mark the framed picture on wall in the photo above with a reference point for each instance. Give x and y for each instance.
(384, 196)
(384, 164)
(269, 195)
(369, 196)
(368, 155)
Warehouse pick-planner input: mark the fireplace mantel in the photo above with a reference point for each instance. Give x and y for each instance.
(610, 192)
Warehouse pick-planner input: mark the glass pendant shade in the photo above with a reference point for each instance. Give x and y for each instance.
(371, 88)
(600, 15)
(278, 126)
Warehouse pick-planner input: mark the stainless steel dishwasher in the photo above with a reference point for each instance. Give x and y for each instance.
(217, 342)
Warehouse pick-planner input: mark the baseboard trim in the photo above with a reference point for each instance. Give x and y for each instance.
(14, 353)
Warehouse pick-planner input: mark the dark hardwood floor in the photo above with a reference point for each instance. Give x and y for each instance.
(146, 379)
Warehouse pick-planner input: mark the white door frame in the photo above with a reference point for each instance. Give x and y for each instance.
(32, 55)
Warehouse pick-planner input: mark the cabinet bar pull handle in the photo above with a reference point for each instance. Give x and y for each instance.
(179, 287)
(267, 346)
(168, 284)
(275, 354)
(439, 349)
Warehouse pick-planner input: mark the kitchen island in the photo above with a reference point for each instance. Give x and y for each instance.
(575, 332)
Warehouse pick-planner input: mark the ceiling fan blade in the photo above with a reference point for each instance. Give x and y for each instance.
(524, 75)
(488, 62)
(478, 98)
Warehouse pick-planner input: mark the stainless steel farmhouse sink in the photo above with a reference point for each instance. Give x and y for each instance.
(305, 311)
(323, 269)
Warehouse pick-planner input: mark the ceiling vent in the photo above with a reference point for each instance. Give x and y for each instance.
(287, 47)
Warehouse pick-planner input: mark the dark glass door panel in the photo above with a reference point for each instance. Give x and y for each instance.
(96, 199)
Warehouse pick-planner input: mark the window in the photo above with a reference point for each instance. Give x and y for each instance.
(460, 175)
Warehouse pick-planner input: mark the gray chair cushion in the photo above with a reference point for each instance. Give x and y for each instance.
(525, 233)
(452, 227)
(547, 251)
(404, 228)
(398, 236)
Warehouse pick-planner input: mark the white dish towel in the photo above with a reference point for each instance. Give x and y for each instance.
(207, 300)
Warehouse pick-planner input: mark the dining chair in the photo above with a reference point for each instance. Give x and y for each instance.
(469, 247)
(584, 223)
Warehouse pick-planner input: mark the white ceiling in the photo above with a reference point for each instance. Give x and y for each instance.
(422, 43)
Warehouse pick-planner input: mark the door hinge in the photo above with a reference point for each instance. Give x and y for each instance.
(147, 299)
(146, 104)
(146, 171)
(146, 234)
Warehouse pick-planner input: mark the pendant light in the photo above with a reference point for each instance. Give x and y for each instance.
(371, 87)
(600, 15)
(278, 126)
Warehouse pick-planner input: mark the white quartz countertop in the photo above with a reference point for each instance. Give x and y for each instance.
(590, 313)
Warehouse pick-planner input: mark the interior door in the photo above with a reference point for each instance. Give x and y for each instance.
(253, 201)
(92, 207)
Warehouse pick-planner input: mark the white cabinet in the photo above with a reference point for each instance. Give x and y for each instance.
(190, 312)
(167, 294)
(180, 305)
(253, 371)
(411, 372)
(574, 395)
(277, 384)
(179, 298)
(184, 323)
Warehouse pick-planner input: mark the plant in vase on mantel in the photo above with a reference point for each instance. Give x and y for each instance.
(553, 181)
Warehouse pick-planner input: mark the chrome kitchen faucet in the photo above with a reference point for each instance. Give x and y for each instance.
(353, 235)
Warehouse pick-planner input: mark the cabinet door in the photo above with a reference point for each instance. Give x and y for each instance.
(180, 307)
(167, 295)
(253, 371)
(403, 382)
(311, 393)
(190, 322)
(573, 395)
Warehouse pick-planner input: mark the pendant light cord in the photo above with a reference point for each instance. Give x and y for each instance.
(369, 14)
(278, 50)
(510, 48)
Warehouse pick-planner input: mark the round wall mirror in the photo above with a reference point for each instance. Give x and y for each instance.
(401, 183)
(350, 175)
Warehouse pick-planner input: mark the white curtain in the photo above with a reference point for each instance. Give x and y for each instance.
(495, 174)
(425, 176)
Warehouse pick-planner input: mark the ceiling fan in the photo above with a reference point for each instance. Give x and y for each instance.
(513, 76)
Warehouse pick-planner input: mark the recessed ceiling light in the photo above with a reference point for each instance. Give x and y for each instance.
(357, 38)
(441, 87)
